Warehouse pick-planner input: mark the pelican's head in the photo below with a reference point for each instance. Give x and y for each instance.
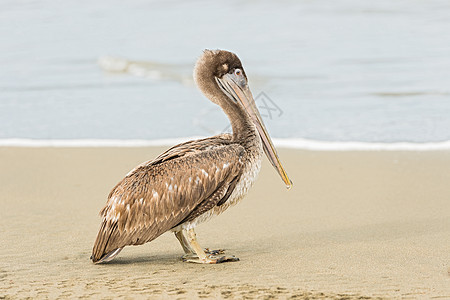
(220, 76)
(215, 64)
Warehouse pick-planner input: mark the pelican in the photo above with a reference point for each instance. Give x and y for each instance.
(195, 180)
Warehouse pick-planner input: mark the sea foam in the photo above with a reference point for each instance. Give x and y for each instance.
(294, 143)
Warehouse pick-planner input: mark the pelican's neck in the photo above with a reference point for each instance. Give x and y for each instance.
(244, 131)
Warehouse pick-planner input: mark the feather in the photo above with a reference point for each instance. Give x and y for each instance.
(176, 187)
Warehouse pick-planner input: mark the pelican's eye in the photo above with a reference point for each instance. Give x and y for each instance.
(238, 72)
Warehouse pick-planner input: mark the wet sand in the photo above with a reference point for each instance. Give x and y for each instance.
(355, 225)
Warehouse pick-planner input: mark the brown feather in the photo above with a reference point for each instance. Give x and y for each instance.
(183, 182)
(230, 189)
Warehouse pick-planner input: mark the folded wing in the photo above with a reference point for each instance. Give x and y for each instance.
(177, 186)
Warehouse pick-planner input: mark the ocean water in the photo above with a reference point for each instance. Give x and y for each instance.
(323, 72)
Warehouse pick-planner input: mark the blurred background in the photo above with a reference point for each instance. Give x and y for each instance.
(369, 71)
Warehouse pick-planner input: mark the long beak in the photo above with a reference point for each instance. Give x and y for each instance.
(238, 91)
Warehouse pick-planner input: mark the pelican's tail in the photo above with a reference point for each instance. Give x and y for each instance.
(106, 245)
(107, 257)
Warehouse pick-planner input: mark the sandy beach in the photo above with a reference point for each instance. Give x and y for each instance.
(356, 225)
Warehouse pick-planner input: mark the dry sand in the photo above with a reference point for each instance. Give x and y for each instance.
(355, 225)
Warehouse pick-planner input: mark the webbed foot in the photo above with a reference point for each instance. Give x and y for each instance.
(209, 259)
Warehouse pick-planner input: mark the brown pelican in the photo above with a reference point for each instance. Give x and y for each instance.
(192, 181)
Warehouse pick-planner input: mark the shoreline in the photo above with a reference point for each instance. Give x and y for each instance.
(287, 143)
(356, 224)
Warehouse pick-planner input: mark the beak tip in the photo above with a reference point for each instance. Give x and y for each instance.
(290, 185)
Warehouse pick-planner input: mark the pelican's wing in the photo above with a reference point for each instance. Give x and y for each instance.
(192, 147)
(156, 197)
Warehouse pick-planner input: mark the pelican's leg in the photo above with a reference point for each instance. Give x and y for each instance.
(210, 257)
(183, 239)
(189, 253)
